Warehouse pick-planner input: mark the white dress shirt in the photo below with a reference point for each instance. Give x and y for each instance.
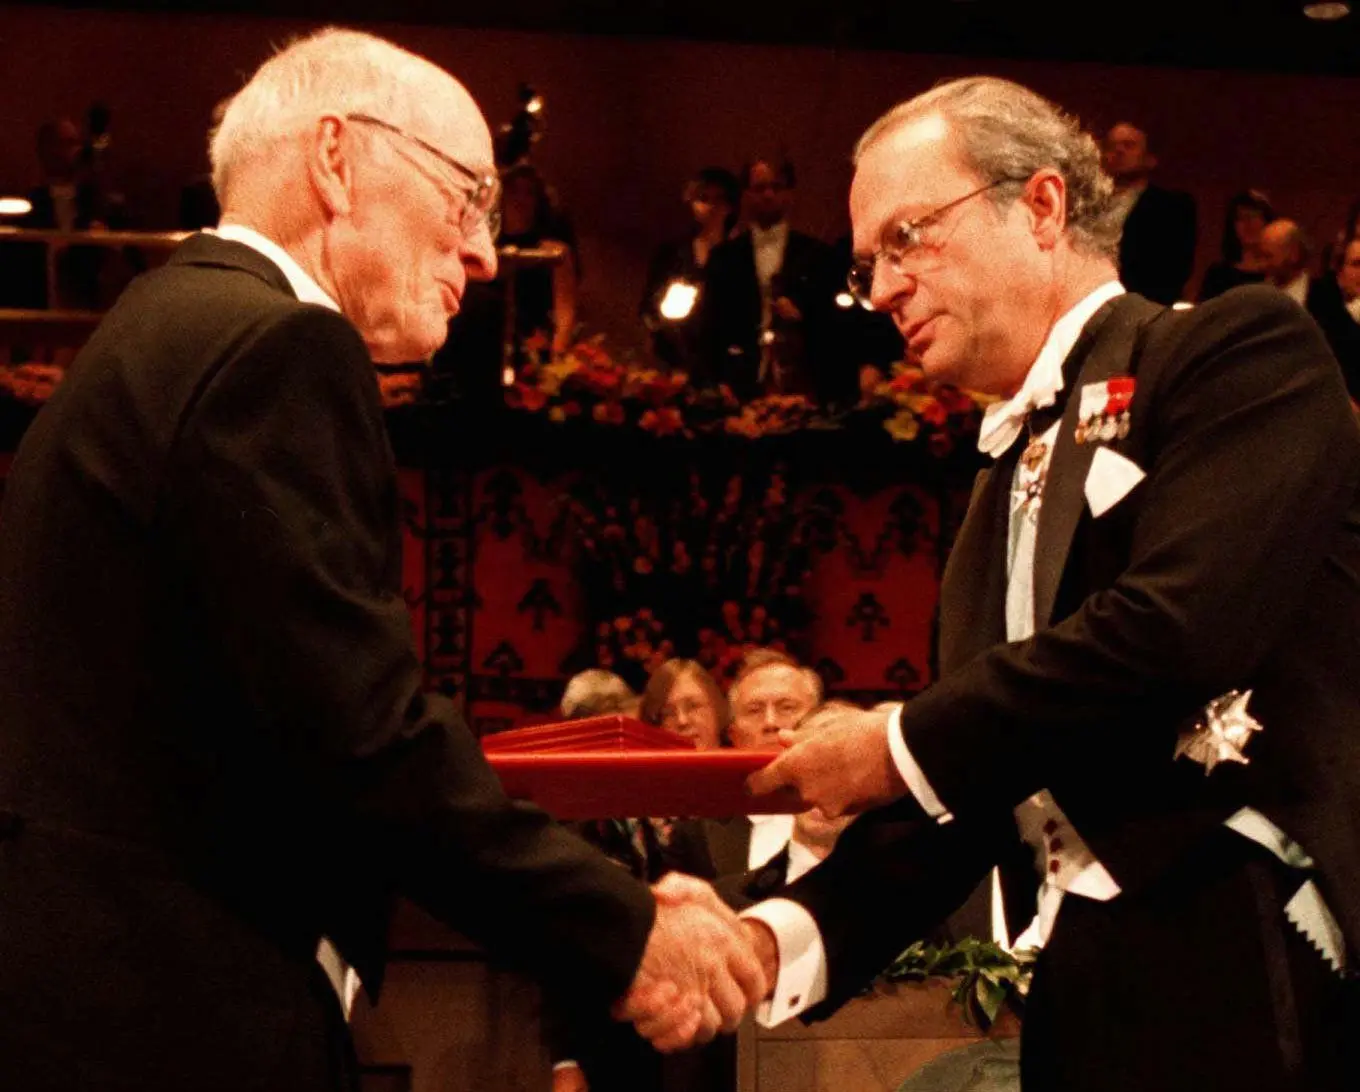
(343, 977)
(769, 834)
(1297, 289)
(769, 245)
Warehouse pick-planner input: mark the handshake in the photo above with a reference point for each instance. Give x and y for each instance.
(702, 970)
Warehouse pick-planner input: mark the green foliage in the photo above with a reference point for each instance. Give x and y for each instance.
(984, 974)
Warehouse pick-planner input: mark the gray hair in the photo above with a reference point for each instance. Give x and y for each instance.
(331, 71)
(757, 659)
(596, 692)
(1006, 132)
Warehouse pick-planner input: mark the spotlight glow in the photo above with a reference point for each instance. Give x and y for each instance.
(679, 300)
(1328, 11)
(15, 206)
(844, 300)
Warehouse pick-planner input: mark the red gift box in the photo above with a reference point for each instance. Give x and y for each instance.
(615, 767)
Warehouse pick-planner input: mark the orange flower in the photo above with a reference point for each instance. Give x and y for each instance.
(933, 412)
(662, 422)
(537, 342)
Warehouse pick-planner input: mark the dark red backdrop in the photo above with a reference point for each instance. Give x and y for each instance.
(494, 620)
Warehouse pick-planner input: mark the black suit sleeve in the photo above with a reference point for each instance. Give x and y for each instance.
(1252, 456)
(281, 518)
(893, 878)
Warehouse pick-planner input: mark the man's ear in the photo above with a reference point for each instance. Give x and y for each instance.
(1149, 162)
(329, 165)
(1045, 197)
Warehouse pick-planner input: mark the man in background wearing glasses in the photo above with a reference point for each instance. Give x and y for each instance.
(1147, 710)
(215, 750)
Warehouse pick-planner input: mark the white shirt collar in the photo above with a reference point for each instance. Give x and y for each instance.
(306, 289)
(1297, 289)
(1044, 380)
(801, 861)
(772, 234)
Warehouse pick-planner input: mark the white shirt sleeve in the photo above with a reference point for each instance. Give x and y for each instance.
(801, 981)
(911, 772)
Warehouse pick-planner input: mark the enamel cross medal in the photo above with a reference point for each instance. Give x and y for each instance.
(1033, 470)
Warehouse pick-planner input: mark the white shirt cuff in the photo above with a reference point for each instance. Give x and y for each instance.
(911, 772)
(801, 981)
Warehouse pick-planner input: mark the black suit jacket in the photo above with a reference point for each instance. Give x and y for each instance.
(214, 745)
(1157, 250)
(1235, 564)
(730, 307)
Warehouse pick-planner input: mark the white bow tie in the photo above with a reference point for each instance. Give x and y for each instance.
(1002, 422)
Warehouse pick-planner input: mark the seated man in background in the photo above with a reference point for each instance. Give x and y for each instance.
(772, 692)
(1286, 253)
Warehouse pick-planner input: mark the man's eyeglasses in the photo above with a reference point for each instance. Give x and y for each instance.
(480, 203)
(900, 241)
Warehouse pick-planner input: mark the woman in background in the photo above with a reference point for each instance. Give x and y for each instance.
(1241, 261)
(713, 196)
(683, 698)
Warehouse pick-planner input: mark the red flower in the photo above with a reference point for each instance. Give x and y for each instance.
(932, 412)
(663, 422)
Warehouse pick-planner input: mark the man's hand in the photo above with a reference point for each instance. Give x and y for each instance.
(699, 974)
(837, 760)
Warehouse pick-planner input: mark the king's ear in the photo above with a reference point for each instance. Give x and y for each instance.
(1045, 197)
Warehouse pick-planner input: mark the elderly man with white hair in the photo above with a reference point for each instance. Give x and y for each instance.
(215, 750)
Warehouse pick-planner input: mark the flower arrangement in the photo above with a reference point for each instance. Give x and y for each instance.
(586, 381)
(917, 409)
(31, 383)
(706, 565)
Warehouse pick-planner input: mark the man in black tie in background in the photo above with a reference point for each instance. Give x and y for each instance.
(217, 764)
(1157, 248)
(1147, 639)
(767, 296)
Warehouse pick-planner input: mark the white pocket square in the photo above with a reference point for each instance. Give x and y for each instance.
(1110, 479)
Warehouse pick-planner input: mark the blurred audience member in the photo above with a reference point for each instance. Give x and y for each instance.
(1157, 250)
(670, 297)
(597, 693)
(1240, 260)
(71, 196)
(803, 842)
(1285, 252)
(1334, 302)
(545, 297)
(771, 692)
(683, 698)
(767, 293)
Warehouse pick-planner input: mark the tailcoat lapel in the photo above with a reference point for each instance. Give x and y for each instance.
(1108, 347)
(973, 589)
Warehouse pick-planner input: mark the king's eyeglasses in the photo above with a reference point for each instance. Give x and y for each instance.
(900, 241)
(480, 203)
